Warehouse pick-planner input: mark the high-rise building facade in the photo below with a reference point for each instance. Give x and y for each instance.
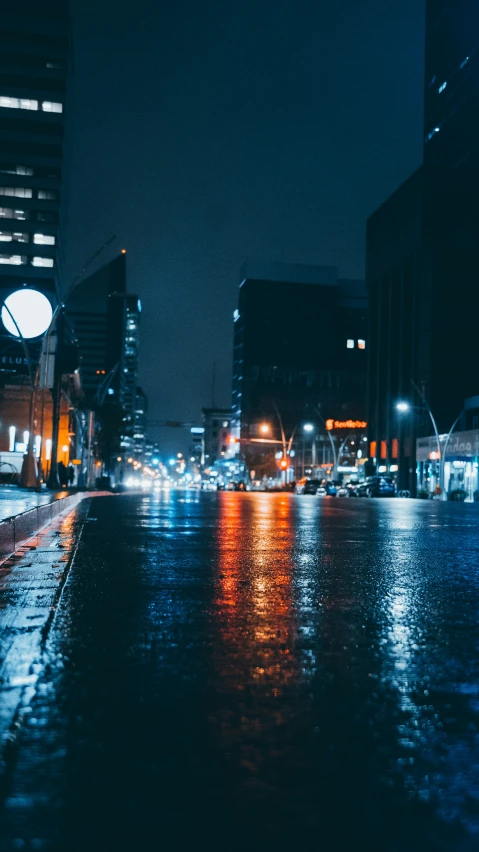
(106, 322)
(34, 67)
(423, 259)
(451, 100)
(300, 349)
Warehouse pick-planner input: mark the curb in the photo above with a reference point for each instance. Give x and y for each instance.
(16, 530)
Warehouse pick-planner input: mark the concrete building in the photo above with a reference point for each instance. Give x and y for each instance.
(217, 426)
(300, 352)
(422, 260)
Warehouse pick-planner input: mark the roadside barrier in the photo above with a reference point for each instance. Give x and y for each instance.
(17, 530)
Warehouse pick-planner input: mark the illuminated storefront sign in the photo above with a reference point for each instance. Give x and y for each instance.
(345, 424)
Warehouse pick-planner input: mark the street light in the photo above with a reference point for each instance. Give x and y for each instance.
(308, 427)
(404, 407)
(264, 428)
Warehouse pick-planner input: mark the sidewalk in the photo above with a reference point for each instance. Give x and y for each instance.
(14, 500)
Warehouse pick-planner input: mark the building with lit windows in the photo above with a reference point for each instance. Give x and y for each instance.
(139, 430)
(217, 426)
(106, 323)
(422, 260)
(300, 349)
(34, 67)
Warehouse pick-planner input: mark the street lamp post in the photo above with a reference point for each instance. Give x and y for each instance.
(405, 407)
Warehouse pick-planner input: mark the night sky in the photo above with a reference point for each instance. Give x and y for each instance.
(206, 133)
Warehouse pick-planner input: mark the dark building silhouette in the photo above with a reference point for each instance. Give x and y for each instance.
(451, 100)
(299, 346)
(34, 68)
(422, 261)
(105, 319)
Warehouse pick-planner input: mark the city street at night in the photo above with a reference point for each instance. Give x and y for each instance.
(243, 670)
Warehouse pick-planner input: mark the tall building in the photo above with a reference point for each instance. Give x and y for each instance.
(451, 100)
(140, 422)
(300, 340)
(106, 320)
(422, 261)
(34, 67)
(217, 426)
(88, 312)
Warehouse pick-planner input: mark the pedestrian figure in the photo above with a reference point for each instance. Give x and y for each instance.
(62, 474)
(70, 474)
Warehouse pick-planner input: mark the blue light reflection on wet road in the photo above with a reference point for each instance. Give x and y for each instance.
(270, 666)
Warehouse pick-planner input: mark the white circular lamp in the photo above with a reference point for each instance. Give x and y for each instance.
(31, 310)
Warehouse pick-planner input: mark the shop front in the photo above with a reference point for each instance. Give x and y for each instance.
(461, 464)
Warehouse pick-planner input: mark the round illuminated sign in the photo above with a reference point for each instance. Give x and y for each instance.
(32, 312)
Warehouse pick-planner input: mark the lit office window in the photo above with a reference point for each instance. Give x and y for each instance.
(51, 106)
(13, 259)
(43, 240)
(9, 213)
(350, 344)
(47, 194)
(18, 103)
(361, 344)
(7, 169)
(15, 236)
(42, 261)
(16, 191)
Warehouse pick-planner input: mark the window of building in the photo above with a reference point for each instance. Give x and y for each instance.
(350, 344)
(8, 169)
(16, 191)
(225, 424)
(361, 344)
(43, 240)
(46, 216)
(42, 261)
(372, 449)
(47, 194)
(9, 213)
(51, 106)
(15, 236)
(13, 259)
(18, 103)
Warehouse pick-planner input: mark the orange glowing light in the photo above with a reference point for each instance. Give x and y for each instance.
(345, 424)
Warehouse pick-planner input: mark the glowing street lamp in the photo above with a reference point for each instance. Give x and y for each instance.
(265, 428)
(27, 313)
(308, 427)
(403, 407)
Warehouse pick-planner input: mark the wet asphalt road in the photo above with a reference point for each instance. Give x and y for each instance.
(248, 671)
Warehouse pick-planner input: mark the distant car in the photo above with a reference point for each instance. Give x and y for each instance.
(377, 486)
(327, 489)
(299, 487)
(311, 486)
(350, 489)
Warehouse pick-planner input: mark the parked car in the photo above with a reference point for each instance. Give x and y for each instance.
(349, 489)
(328, 489)
(311, 486)
(377, 486)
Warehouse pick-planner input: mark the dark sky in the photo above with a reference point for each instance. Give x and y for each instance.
(209, 132)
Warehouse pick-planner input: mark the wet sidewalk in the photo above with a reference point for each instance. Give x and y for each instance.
(14, 500)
